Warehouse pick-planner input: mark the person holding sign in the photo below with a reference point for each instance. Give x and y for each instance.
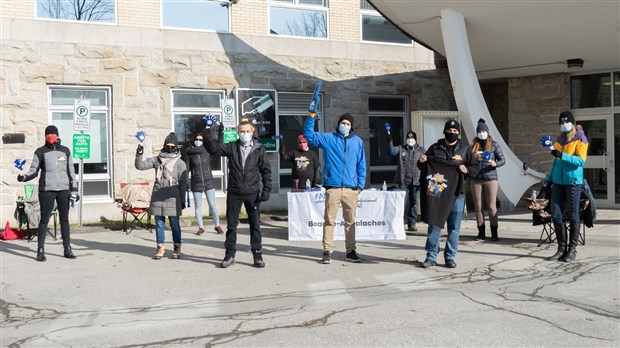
(57, 184)
(344, 177)
(248, 167)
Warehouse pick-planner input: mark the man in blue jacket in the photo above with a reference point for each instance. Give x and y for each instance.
(344, 178)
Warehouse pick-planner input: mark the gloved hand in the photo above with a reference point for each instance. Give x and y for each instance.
(21, 177)
(314, 103)
(183, 204)
(264, 196)
(74, 196)
(556, 153)
(140, 150)
(209, 120)
(389, 137)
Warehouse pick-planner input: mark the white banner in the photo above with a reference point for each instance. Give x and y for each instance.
(380, 216)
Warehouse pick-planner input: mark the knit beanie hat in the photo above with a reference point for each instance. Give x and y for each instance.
(567, 116)
(411, 134)
(171, 139)
(347, 116)
(482, 126)
(51, 129)
(452, 124)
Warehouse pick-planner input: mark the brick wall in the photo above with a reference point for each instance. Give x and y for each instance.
(18, 9)
(250, 17)
(139, 13)
(344, 21)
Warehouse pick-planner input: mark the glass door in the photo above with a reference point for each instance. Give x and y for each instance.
(601, 168)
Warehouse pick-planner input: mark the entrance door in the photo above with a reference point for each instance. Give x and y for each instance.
(601, 168)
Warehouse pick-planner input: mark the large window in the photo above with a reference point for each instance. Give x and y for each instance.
(591, 91)
(102, 11)
(382, 110)
(97, 168)
(292, 114)
(188, 108)
(299, 18)
(199, 15)
(375, 28)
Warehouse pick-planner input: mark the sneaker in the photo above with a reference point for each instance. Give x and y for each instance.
(258, 259)
(450, 264)
(327, 258)
(200, 231)
(412, 228)
(228, 260)
(352, 256)
(428, 263)
(219, 230)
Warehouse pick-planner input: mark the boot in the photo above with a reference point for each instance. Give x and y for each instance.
(161, 251)
(258, 259)
(41, 255)
(481, 233)
(560, 235)
(176, 253)
(494, 234)
(69, 253)
(571, 253)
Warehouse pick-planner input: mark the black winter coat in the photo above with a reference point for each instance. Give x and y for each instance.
(486, 171)
(199, 163)
(242, 179)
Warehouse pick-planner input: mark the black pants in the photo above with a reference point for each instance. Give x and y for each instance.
(46, 201)
(233, 208)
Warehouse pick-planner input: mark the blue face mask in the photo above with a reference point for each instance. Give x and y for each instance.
(245, 137)
(344, 130)
(483, 135)
(566, 127)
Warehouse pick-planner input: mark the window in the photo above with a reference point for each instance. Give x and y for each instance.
(382, 110)
(292, 114)
(102, 11)
(199, 15)
(590, 91)
(97, 168)
(188, 109)
(299, 18)
(375, 28)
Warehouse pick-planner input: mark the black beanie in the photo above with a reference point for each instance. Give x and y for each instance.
(411, 134)
(347, 116)
(482, 126)
(171, 139)
(452, 124)
(51, 129)
(567, 116)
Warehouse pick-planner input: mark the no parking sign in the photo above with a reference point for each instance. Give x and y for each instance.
(81, 115)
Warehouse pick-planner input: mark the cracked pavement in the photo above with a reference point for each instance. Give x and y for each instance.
(501, 294)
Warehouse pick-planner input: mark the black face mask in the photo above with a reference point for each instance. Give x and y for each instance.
(170, 149)
(451, 137)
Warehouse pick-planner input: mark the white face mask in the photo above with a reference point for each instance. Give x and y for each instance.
(410, 142)
(566, 127)
(483, 135)
(245, 137)
(198, 143)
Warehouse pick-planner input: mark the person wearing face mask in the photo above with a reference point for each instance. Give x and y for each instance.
(199, 163)
(490, 156)
(444, 167)
(566, 176)
(344, 178)
(407, 175)
(248, 167)
(305, 163)
(168, 197)
(57, 184)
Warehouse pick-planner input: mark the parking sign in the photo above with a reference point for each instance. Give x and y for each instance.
(81, 115)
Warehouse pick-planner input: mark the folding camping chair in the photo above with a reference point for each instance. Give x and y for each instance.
(30, 202)
(134, 201)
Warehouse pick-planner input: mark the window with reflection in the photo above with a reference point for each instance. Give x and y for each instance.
(102, 11)
(375, 28)
(590, 91)
(298, 18)
(212, 15)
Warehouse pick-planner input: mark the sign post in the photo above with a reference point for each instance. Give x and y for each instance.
(81, 142)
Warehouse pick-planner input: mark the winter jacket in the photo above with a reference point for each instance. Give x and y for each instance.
(487, 172)
(170, 183)
(568, 169)
(199, 163)
(345, 159)
(242, 180)
(306, 166)
(56, 165)
(407, 157)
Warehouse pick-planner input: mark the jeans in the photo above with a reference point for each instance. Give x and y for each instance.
(412, 200)
(233, 208)
(160, 228)
(454, 227)
(560, 196)
(46, 202)
(212, 207)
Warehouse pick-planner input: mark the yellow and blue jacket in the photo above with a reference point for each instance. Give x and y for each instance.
(568, 169)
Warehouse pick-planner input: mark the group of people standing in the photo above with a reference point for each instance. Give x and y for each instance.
(437, 174)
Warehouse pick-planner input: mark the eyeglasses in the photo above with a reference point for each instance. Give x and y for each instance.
(199, 139)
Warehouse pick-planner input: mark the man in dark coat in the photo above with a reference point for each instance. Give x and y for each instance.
(247, 168)
(305, 163)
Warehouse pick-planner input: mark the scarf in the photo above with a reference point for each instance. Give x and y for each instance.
(166, 166)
